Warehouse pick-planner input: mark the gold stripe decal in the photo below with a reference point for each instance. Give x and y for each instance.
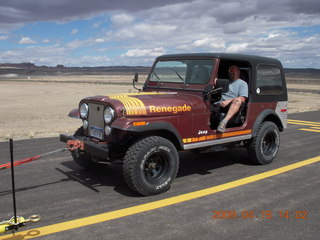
(121, 95)
(215, 136)
(133, 105)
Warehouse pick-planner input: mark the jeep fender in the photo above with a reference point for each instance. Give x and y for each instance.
(266, 115)
(163, 129)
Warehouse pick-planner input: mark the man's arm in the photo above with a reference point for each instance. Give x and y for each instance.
(243, 99)
(226, 102)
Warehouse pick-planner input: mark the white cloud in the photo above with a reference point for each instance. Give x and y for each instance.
(3, 37)
(99, 40)
(212, 43)
(144, 52)
(237, 48)
(142, 31)
(26, 40)
(77, 44)
(51, 56)
(121, 19)
(46, 41)
(74, 31)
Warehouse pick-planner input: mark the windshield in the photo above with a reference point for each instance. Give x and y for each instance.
(182, 71)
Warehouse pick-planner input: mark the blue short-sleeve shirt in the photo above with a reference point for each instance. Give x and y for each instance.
(237, 88)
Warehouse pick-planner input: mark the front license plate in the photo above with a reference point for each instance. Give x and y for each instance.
(96, 132)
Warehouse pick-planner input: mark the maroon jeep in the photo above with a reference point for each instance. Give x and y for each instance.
(175, 112)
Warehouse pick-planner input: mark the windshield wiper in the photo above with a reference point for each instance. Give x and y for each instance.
(156, 75)
(181, 78)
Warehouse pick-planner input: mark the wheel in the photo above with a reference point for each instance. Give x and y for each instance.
(263, 148)
(83, 159)
(150, 165)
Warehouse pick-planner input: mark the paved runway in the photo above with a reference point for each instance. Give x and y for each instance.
(283, 206)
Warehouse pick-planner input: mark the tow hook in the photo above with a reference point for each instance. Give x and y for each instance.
(74, 144)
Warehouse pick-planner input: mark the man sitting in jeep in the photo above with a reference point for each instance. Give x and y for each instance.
(237, 94)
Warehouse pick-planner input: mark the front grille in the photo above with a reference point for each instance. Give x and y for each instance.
(96, 121)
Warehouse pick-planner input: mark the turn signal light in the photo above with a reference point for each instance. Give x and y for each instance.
(139, 124)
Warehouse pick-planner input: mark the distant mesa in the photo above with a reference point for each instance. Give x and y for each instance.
(13, 70)
(31, 69)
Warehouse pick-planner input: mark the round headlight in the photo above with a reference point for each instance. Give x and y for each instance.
(108, 114)
(85, 124)
(107, 130)
(84, 110)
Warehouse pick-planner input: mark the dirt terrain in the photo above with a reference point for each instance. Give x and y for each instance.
(39, 109)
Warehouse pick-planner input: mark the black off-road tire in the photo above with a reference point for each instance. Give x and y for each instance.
(79, 132)
(83, 159)
(150, 165)
(263, 148)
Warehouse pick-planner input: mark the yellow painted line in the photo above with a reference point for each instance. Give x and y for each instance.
(304, 124)
(309, 130)
(86, 221)
(302, 121)
(316, 128)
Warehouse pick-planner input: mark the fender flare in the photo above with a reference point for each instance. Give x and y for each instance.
(158, 127)
(75, 113)
(266, 115)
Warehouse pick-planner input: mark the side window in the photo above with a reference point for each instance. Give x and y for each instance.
(269, 80)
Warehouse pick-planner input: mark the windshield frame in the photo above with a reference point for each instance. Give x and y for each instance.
(177, 85)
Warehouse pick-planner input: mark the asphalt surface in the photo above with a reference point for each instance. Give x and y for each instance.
(59, 190)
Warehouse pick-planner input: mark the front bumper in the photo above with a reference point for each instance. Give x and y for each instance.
(96, 149)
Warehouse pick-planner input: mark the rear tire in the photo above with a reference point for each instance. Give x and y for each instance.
(263, 148)
(150, 165)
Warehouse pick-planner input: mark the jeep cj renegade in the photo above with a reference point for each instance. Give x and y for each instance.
(174, 112)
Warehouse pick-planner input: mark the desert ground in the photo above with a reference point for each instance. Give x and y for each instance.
(39, 107)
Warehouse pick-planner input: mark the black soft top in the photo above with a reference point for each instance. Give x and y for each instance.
(254, 60)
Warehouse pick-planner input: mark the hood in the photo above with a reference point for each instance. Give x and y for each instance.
(154, 103)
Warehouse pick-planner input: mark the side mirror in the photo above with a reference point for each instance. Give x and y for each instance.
(135, 80)
(136, 77)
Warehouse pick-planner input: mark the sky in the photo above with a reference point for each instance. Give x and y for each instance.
(134, 32)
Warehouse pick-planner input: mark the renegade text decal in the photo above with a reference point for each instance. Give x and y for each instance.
(169, 109)
(134, 106)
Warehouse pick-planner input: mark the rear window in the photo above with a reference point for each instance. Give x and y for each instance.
(269, 80)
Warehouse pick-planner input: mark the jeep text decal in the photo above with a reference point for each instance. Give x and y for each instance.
(176, 109)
